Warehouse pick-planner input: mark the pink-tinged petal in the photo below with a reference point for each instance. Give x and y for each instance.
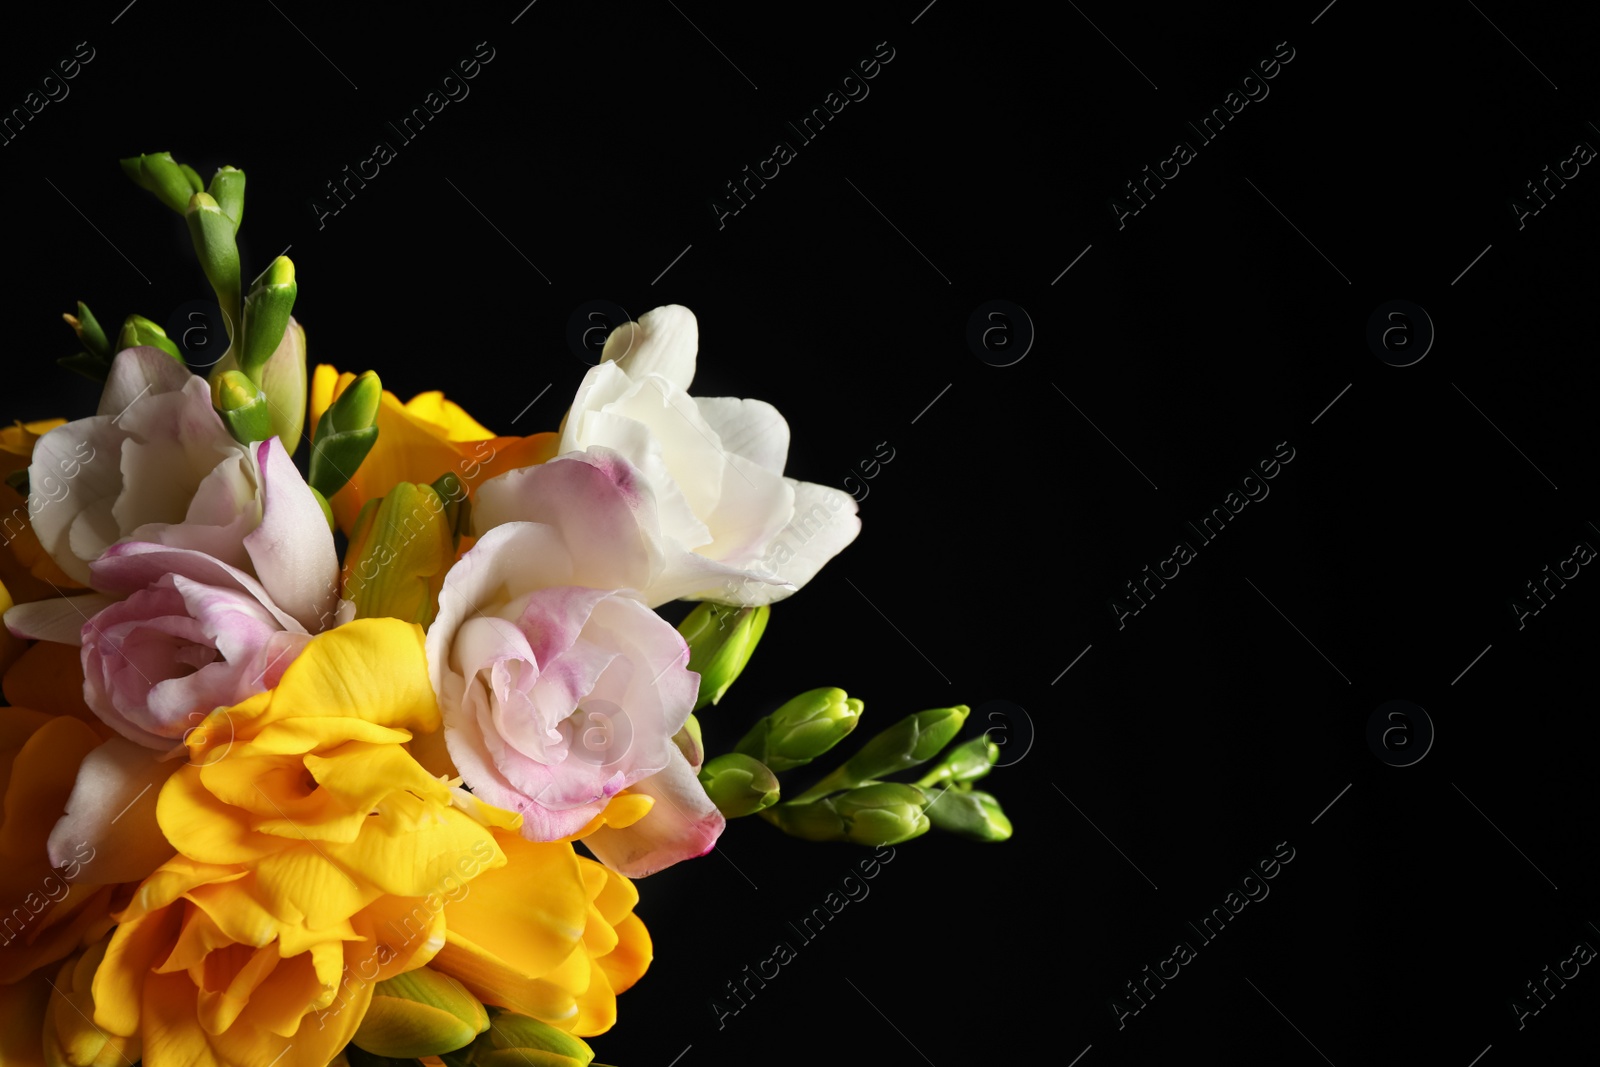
(664, 341)
(133, 565)
(750, 428)
(470, 754)
(175, 440)
(594, 503)
(682, 824)
(59, 619)
(293, 548)
(109, 833)
(607, 431)
(513, 555)
(136, 372)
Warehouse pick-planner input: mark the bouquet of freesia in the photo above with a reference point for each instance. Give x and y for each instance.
(298, 759)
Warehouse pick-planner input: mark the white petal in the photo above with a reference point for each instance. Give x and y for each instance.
(59, 619)
(136, 372)
(663, 341)
(753, 429)
(76, 470)
(824, 522)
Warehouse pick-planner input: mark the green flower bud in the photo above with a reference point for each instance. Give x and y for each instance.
(969, 813)
(802, 729)
(420, 1013)
(266, 315)
(212, 233)
(89, 332)
(345, 434)
(913, 740)
(739, 785)
(162, 175)
(243, 407)
(721, 640)
(357, 407)
(881, 813)
(227, 189)
(139, 331)
(518, 1041)
(193, 178)
(964, 763)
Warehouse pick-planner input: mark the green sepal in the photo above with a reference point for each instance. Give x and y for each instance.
(913, 740)
(89, 332)
(87, 365)
(243, 407)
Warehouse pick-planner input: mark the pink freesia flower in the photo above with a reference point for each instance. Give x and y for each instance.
(558, 685)
(191, 632)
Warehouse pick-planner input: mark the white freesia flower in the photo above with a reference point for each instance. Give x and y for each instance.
(714, 466)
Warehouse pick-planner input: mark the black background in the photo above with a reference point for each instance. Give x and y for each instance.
(1219, 721)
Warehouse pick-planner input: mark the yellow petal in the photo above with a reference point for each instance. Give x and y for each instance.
(626, 964)
(531, 911)
(374, 670)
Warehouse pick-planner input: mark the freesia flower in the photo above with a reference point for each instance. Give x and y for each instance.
(420, 440)
(194, 632)
(313, 853)
(154, 464)
(559, 687)
(713, 464)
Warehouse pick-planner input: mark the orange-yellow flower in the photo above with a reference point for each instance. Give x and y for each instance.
(420, 441)
(314, 859)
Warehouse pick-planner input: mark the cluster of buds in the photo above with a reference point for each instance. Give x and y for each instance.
(852, 802)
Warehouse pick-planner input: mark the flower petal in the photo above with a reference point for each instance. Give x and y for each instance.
(293, 549)
(683, 824)
(59, 619)
(117, 783)
(664, 341)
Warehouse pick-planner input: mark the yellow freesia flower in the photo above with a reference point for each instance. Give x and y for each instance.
(314, 859)
(420, 441)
